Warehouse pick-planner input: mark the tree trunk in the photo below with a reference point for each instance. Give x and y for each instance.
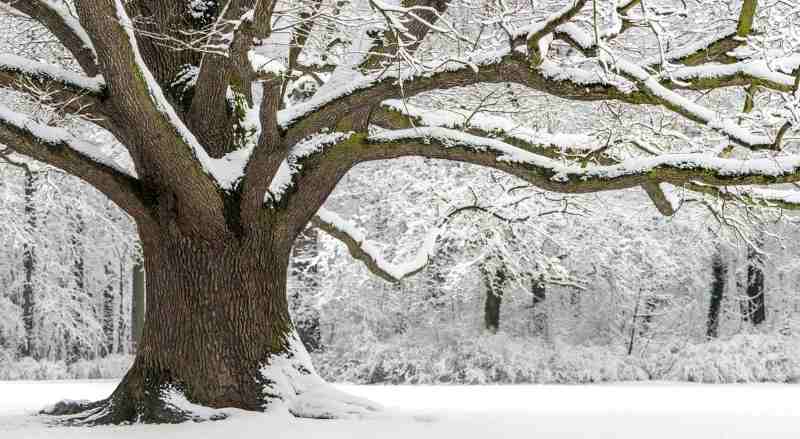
(79, 263)
(217, 332)
(29, 265)
(77, 350)
(304, 267)
(755, 311)
(494, 280)
(123, 334)
(719, 274)
(538, 313)
(491, 310)
(109, 311)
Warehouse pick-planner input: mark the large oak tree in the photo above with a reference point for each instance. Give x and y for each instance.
(229, 168)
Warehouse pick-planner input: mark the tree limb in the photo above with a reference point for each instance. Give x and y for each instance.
(365, 251)
(167, 155)
(70, 92)
(55, 147)
(419, 24)
(548, 27)
(63, 26)
(210, 116)
(659, 198)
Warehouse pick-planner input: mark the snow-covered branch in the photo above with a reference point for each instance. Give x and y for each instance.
(60, 21)
(39, 71)
(775, 74)
(678, 169)
(57, 147)
(169, 150)
(368, 252)
(672, 100)
(281, 180)
(68, 91)
(538, 31)
(549, 144)
(688, 108)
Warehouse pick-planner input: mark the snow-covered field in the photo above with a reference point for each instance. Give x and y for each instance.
(620, 411)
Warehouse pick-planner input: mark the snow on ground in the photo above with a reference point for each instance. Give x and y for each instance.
(620, 411)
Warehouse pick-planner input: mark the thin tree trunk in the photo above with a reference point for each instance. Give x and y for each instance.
(29, 265)
(491, 310)
(494, 279)
(634, 318)
(108, 309)
(78, 350)
(719, 274)
(123, 338)
(575, 303)
(79, 263)
(756, 311)
(304, 267)
(538, 311)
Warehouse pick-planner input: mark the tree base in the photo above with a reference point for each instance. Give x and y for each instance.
(289, 384)
(171, 408)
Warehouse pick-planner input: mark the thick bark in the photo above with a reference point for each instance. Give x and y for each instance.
(216, 314)
(217, 331)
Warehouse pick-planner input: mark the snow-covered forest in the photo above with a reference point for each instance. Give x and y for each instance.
(195, 194)
(522, 285)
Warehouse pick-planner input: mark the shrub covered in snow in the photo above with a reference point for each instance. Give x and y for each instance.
(500, 359)
(507, 360)
(112, 366)
(741, 359)
(482, 360)
(27, 368)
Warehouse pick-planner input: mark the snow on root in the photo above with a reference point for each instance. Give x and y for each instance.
(176, 400)
(173, 407)
(292, 384)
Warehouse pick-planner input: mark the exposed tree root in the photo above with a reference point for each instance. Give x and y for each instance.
(170, 407)
(289, 383)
